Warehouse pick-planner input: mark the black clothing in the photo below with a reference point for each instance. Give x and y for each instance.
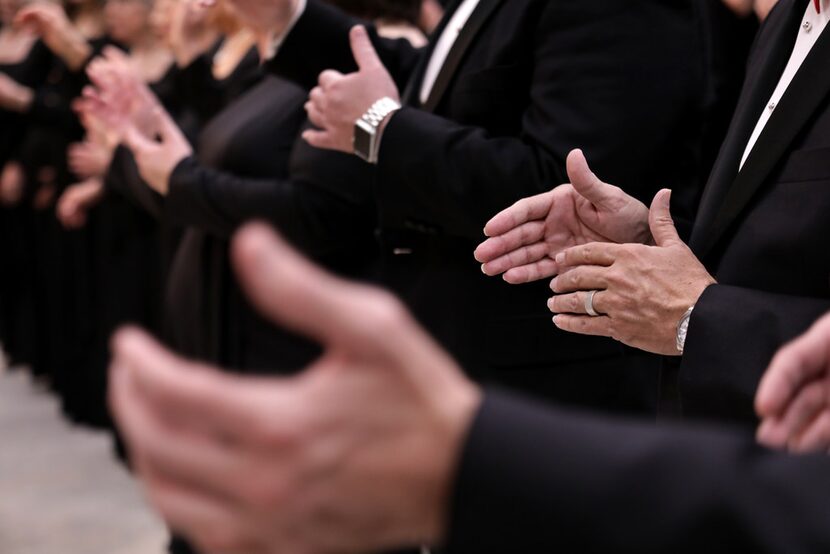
(18, 227)
(534, 479)
(525, 83)
(762, 232)
(207, 312)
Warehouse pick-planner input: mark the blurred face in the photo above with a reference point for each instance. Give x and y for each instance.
(160, 18)
(127, 20)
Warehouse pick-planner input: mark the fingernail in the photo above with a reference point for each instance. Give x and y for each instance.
(485, 232)
(556, 320)
(553, 283)
(550, 304)
(483, 269)
(560, 258)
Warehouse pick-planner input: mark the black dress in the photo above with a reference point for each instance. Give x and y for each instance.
(126, 273)
(209, 318)
(17, 225)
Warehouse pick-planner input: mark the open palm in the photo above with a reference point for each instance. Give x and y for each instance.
(526, 237)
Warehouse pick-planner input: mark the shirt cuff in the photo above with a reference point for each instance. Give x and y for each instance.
(278, 38)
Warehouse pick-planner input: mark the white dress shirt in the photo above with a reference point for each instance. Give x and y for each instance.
(444, 45)
(812, 27)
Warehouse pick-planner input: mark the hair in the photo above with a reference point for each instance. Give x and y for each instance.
(390, 10)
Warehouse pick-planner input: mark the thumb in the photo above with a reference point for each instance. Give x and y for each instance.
(660, 221)
(137, 142)
(362, 49)
(290, 290)
(584, 181)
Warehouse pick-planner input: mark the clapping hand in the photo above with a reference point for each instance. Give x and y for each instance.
(526, 237)
(356, 454)
(338, 101)
(639, 292)
(158, 154)
(50, 22)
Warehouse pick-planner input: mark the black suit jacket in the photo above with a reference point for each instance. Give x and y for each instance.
(536, 480)
(527, 81)
(763, 232)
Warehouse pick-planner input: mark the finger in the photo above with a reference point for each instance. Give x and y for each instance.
(574, 303)
(771, 433)
(594, 253)
(660, 220)
(803, 360)
(518, 258)
(169, 450)
(328, 78)
(584, 325)
(497, 247)
(804, 409)
(318, 98)
(542, 269)
(523, 211)
(815, 436)
(199, 395)
(585, 182)
(314, 116)
(201, 518)
(587, 277)
(363, 50)
(320, 139)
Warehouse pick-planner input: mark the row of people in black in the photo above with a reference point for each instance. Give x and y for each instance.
(193, 119)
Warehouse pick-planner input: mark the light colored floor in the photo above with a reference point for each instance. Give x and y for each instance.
(61, 490)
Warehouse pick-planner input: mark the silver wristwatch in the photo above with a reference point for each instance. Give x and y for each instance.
(366, 137)
(683, 329)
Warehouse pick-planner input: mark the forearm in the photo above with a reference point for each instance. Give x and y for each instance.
(219, 202)
(733, 334)
(534, 479)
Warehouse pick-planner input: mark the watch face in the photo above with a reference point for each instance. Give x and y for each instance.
(363, 135)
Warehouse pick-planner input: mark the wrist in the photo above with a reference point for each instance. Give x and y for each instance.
(455, 413)
(368, 130)
(682, 328)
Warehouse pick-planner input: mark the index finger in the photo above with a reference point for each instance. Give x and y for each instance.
(593, 253)
(523, 235)
(197, 394)
(523, 211)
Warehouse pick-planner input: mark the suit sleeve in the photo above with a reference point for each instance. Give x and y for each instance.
(321, 220)
(320, 41)
(532, 479)
(733, 334)
(453, 175)
(123, 177)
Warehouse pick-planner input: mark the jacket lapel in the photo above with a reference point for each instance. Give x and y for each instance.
(477, 20)
(410, 95)
(803, 97)
(763, 73)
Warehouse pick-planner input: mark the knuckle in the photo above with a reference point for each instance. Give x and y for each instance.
(385, 312)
